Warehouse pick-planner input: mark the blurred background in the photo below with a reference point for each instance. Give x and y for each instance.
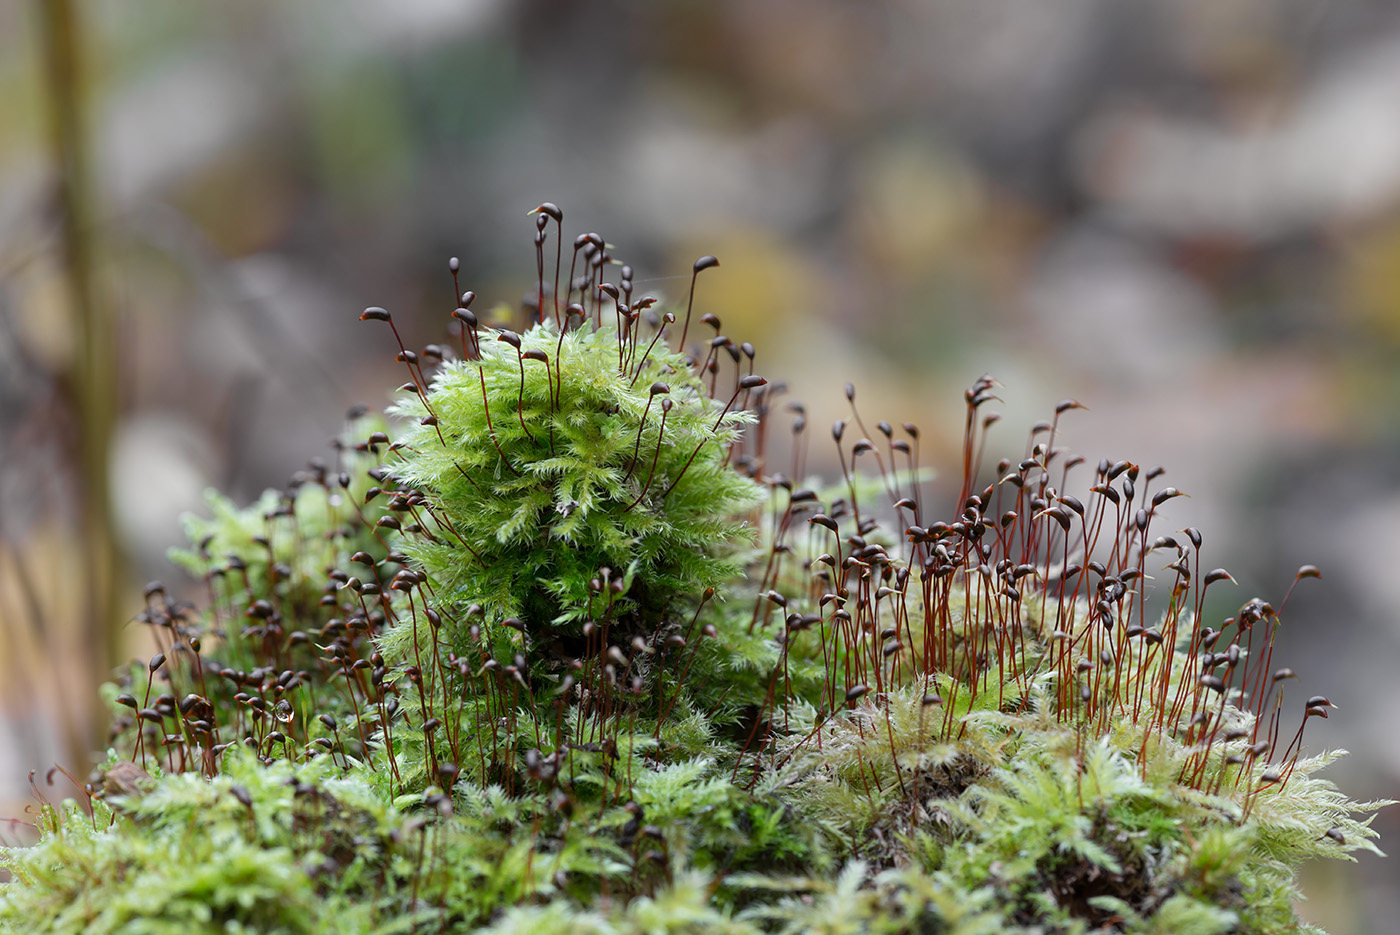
(1183, 213)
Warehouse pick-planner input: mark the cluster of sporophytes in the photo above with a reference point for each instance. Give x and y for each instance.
(574, 652)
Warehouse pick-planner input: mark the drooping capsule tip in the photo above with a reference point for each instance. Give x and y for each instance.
(549, 208)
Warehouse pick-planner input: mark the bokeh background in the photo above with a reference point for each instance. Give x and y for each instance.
(1183, 213)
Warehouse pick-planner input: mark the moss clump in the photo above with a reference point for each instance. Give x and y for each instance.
(554, 456)
(481, 678)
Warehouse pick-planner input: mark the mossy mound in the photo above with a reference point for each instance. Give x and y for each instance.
(567, 655)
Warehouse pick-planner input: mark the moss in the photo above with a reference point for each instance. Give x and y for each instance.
(591, 462)
(567, 655)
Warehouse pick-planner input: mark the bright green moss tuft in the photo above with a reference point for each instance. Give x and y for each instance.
(534, 485)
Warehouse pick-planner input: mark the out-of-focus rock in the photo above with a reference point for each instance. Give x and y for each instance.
(1100, 305)
(1331, 155)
